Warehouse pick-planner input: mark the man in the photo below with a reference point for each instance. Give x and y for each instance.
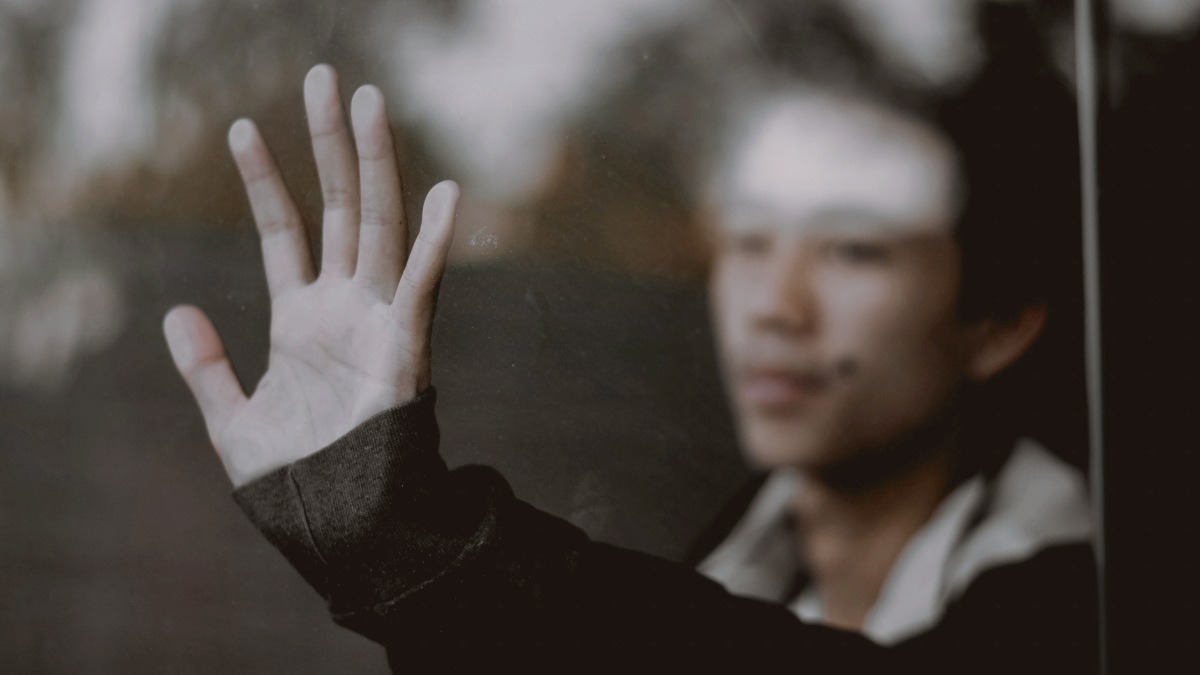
(853, 343)
(837, 290)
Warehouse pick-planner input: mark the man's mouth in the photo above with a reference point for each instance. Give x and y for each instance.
(781, 389)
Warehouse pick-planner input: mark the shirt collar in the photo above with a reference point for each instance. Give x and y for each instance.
(1036, 501)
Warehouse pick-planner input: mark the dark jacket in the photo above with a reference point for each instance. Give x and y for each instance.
(449, 571)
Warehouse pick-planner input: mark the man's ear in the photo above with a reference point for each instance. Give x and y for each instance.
(998, 343)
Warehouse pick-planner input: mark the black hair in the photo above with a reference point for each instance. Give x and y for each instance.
(1014, 128)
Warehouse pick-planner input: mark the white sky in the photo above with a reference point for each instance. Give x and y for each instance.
(497, 91)
(107, 108)
(935, 39)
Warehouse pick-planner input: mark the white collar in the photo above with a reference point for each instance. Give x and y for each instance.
(1035, 502)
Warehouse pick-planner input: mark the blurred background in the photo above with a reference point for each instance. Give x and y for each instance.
(572, 344)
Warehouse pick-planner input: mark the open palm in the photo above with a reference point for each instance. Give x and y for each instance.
(349, 343)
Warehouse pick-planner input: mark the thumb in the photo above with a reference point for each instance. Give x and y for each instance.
(200, 358)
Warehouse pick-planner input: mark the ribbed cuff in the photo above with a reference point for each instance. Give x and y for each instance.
(335, 513)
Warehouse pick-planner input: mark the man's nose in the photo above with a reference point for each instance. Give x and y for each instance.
(785, 299)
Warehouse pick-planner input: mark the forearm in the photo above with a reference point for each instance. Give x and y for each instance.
(447, 566)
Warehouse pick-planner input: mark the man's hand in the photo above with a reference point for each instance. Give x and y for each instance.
(348, 343)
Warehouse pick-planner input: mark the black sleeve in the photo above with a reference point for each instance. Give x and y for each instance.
(449, 571)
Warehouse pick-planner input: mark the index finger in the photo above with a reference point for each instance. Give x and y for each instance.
(417, 293)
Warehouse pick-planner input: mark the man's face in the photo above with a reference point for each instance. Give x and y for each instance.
(836, 280)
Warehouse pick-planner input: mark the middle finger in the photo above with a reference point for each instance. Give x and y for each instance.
(333, 150)
(382, 235)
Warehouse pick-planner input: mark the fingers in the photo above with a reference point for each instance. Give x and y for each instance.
(200, 358)
(285, 246)
(417, 292)
(364, 231)
(333, 149)
(382, 235)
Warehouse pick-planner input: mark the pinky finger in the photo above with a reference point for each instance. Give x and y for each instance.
(417, 293)
(200, 358)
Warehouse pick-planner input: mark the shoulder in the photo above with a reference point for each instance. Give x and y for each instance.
(1057, 580)
(1037, 615)
(1022, 583)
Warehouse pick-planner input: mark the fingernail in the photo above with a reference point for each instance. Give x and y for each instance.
(367, 105)
(240, 134)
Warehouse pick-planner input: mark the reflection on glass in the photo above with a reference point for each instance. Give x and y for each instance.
(798, 162)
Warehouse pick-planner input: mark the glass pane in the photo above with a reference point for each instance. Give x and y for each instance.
(698, 241)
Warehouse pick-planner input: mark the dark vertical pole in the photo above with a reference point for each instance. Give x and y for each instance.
(1089, 86)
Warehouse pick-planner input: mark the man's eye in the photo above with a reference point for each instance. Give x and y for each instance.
(748, 243)
(858, 251)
